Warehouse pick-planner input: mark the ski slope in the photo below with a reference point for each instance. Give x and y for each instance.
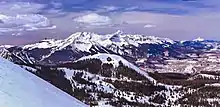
(19, 88)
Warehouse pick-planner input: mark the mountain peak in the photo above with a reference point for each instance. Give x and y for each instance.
(119, 32)
(199, 39)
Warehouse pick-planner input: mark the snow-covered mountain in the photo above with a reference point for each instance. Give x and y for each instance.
(125, 70)
(85, 40)
(20, 88)
(131, 47)
(86, 43)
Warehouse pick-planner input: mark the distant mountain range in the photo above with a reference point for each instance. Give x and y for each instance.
(121, 69)
(131, 47)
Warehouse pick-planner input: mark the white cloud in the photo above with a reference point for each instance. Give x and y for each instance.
(56, 4)
(110, 8)
(14, 8)
(21, 22)
(149, 26)
(93, 19)
(22, 16)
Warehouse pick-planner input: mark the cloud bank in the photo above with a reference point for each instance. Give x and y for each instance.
(22, 16)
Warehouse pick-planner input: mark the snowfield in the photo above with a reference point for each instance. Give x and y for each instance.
(19, 88)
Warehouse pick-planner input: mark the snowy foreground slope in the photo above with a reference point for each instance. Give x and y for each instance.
(19, 88)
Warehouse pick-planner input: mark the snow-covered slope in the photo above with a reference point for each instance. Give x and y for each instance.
(115, 59)
(19, 88)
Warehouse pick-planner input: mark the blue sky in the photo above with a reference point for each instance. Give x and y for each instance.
(159, 6)
(170, 18)
(175, 19)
